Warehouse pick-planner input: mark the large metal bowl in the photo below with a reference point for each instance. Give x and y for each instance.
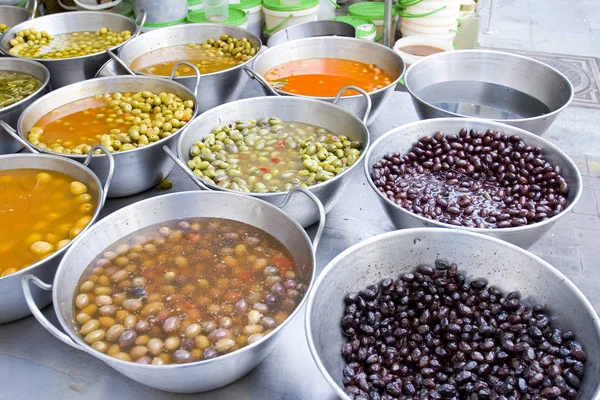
(137, 170)
(11, 294)
(470, 73)
(403, 138)
(197, 376)
(13, 15)
(215, 88)
(76, 69)
(11, 114)
(305, 110)
(502, 264)
(335, 47)
(312, 29)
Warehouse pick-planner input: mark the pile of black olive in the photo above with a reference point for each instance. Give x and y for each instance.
(473, 179)
(432, 334)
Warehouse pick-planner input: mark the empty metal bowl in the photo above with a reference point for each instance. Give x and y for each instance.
(14, 15)
(503, 87)
(201, 375)
(501, 264)
(312, 29)
(403, 138)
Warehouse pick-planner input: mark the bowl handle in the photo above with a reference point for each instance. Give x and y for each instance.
(38, 314)
(118, 60)
(34, 7)
(9, 129)
(196, 70)
(140, 21)
(185, 168)
(261, 80)
(111, 168)
(319, 205)
(365, 94)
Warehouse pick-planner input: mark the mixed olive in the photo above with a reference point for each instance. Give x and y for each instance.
(433, 334)
(118, 121)
(187, 290)
(271, 155)
(33, 44)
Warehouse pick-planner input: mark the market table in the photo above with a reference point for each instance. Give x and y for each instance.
(33, 364)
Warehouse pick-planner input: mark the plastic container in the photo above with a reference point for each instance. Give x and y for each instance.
(216, 10)
(448, 37)
(253, 10)
(373, 11)
(279, 16)
(410, 59)
(92, 5)
(236, 18)
(365, 29)
(327, 9)
(195, 5)
(162, 12)
(431, 18)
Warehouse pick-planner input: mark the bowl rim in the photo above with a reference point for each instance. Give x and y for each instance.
(4, 38)
(335, 39)
(161, 141)
(332, 265)
(166, 31)
(434, 57)
(523, 134)
(42, 88)
(308, 24)
(276, 99)
(108, 220)
(99, 206)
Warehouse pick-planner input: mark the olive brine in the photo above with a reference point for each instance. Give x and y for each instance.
(187, 290)
(433, 334)
(271, 155)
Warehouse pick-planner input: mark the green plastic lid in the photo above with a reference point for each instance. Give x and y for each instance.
(194, 2)
(276, 5)
(371, 10)
(363, 26)
(236, 17)
(246, 4)
(156, 25)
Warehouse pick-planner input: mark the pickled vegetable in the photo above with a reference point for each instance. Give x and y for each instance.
(33, 44)
(187, 290)
(209, 56)
(118, 121)
(40, 212)
(15, 86)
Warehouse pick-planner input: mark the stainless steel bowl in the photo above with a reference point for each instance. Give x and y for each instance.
(503, 87)
(70, 70)
(215, 88)
(136, 170)
(13, 15)
(312, 29)
(11, 114)
(197, 376)
(502, 264)
(11, 295)
(305, 110)
(402, 139)
(335, 47)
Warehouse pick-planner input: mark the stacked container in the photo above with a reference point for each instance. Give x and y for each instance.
(253, 10)
(373, 11)
(281, 14)
(436, 18)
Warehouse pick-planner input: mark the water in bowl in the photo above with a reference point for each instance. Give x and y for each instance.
(482, 100)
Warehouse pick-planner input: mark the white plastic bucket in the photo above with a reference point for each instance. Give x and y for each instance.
(433, 41)
(451, 9)
(158, 12)
(423, 30)
(194, 5)
(254, 13)
(279, 20)
(92, 5)
(447, 37)
(327, 9)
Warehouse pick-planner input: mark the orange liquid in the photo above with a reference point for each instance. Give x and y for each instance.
(37, 206)
(325, 77)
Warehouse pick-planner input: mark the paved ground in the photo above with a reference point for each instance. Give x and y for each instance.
(563, 27)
